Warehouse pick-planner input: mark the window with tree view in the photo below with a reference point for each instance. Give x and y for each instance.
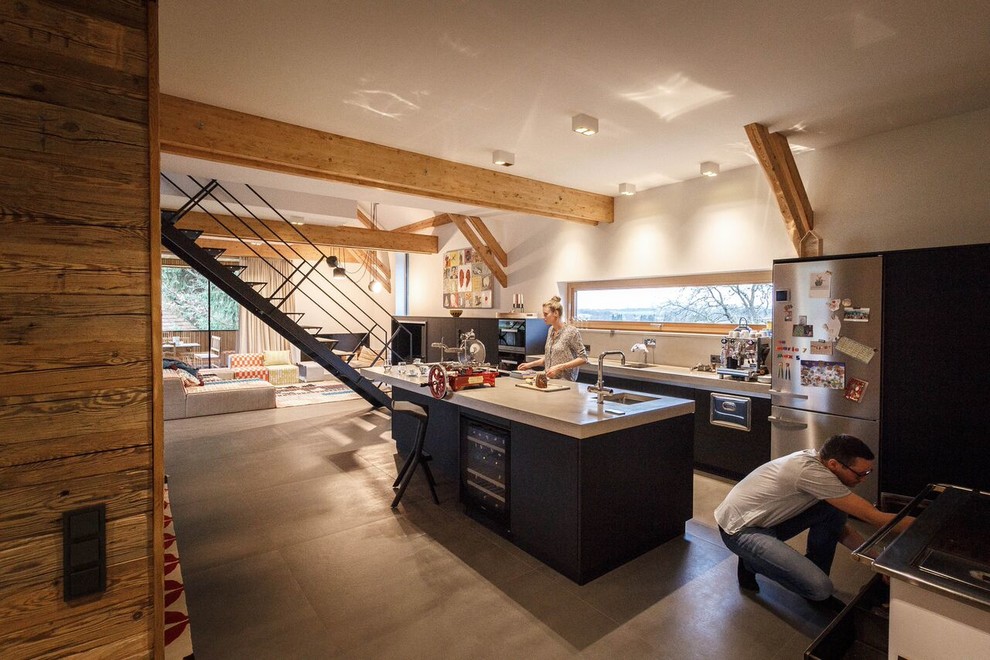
(190, 302)
(702, 303)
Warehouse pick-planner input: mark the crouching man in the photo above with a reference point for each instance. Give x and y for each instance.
(806, 490)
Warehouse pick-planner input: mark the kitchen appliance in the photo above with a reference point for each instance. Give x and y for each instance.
(825, 355)
(519, 335)
(744, 353)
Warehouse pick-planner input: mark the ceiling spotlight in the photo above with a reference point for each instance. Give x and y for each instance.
(296, 220)
(584, 124)
(375, 286)
(709, 168)
(627, 189)
(505, 158)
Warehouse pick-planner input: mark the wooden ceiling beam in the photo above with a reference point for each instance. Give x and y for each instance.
(486, 252)
(489, 240)
(353, 237)
(198, 130)
(775, 157)
(436, 221)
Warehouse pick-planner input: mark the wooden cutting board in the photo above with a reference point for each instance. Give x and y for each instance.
(548, 388)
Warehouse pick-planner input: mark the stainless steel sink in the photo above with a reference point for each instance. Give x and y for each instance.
(629, 398)
(638, 365)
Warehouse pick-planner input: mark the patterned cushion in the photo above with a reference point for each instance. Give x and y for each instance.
(283, 374)
(246, 360)
(251, 372)
(276, 358)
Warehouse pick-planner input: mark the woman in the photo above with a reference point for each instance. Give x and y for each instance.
(564, 352)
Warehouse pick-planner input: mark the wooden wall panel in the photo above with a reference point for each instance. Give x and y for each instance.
(79, 422)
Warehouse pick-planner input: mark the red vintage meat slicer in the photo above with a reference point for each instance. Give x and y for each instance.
(470, 369)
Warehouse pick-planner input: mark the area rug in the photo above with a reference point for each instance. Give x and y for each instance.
(304, 394)
(178, 636)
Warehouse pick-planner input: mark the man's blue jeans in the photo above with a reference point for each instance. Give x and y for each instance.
(763, 550)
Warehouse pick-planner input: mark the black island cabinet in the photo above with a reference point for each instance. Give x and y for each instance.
(583, 506)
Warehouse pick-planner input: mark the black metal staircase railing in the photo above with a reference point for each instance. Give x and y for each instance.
(309, 339)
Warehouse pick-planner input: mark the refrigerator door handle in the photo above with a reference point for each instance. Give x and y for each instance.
(790, 394)
(786, 423)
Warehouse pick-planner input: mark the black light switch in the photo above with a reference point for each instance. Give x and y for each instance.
(84, 551)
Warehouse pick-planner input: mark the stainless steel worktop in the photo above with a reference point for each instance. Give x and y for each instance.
(682, 376)
(572, 412)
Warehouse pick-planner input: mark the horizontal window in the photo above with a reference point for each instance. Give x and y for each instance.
(709, 303)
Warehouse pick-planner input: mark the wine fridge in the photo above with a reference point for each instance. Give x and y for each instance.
(485, 470)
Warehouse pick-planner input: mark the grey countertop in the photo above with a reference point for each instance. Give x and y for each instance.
(682, 376)
(573, 412)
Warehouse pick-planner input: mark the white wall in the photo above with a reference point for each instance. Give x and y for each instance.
(920, 186)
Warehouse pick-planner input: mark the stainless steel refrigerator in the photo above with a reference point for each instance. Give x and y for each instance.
(825, 357)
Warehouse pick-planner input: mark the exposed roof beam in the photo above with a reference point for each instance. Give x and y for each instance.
(489, 239)
(381, 264)
(486, 253)
(276, 250)
(429, 223)
(354, 237)
(198, 130)
(778, 164)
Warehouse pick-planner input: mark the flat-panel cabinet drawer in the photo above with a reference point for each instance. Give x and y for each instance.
(734, 412)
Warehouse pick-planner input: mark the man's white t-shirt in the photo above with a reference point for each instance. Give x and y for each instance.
(778, 491)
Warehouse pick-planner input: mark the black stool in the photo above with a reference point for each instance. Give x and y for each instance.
(417, 456)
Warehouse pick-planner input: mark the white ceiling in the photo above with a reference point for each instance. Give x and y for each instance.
(672, 83)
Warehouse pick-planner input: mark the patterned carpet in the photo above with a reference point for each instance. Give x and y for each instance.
(178, 636)
(304, 394)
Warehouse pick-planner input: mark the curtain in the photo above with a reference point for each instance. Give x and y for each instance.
(255, 336)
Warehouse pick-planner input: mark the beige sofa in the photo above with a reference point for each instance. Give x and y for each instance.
(213, 398)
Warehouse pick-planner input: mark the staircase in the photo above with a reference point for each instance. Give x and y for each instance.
(267, 307)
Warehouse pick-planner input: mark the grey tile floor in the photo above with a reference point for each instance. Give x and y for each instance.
(289, 550)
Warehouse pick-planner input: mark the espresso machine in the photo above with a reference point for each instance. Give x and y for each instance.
(745, 353)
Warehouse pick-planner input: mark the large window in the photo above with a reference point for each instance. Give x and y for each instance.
(190, 302)
(711, 303)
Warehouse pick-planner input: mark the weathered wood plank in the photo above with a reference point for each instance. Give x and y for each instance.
(45, 625)
(47, 28)
(57, 88)
(198, 130)
(45, 244)
(74, 306)
(34, 127)
(75, 467)
(37, 510)
(37, 343)
(47, 420)
(31, 190)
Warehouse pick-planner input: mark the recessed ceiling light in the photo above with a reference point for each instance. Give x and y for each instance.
(584, 124)
(627, 189)
(709, 168)
(504, 158)
(296, 220)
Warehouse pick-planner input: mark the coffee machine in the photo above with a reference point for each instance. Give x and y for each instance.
(745, 353)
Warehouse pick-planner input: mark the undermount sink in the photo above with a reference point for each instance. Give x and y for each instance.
(629, 398)
(637, 365)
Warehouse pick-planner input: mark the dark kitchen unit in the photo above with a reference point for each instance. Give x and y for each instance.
(519, 336)
(416, 335)
(485, 471)
(731, 433)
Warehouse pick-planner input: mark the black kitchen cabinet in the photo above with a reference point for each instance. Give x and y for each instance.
(727, 451)
(934, 385)
(445, 329)
(519, 337)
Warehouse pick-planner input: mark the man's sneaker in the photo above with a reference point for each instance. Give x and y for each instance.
(746, 577)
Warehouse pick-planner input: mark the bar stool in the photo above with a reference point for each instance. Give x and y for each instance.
(417, 456)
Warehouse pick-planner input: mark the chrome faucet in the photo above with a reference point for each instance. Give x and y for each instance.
(600, 386)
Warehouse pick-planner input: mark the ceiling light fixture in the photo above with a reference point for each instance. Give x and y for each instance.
(296, 220)
(504, 158)
(627, 189)
(709, 168)
(338, 273)
(375, 286)
(584, 124)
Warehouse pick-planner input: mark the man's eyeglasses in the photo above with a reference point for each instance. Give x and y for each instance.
(861, 475)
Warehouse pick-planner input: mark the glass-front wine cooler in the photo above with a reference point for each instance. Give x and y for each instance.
(485, 470)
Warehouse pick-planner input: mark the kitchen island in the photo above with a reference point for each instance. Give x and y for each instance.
(585, 488)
